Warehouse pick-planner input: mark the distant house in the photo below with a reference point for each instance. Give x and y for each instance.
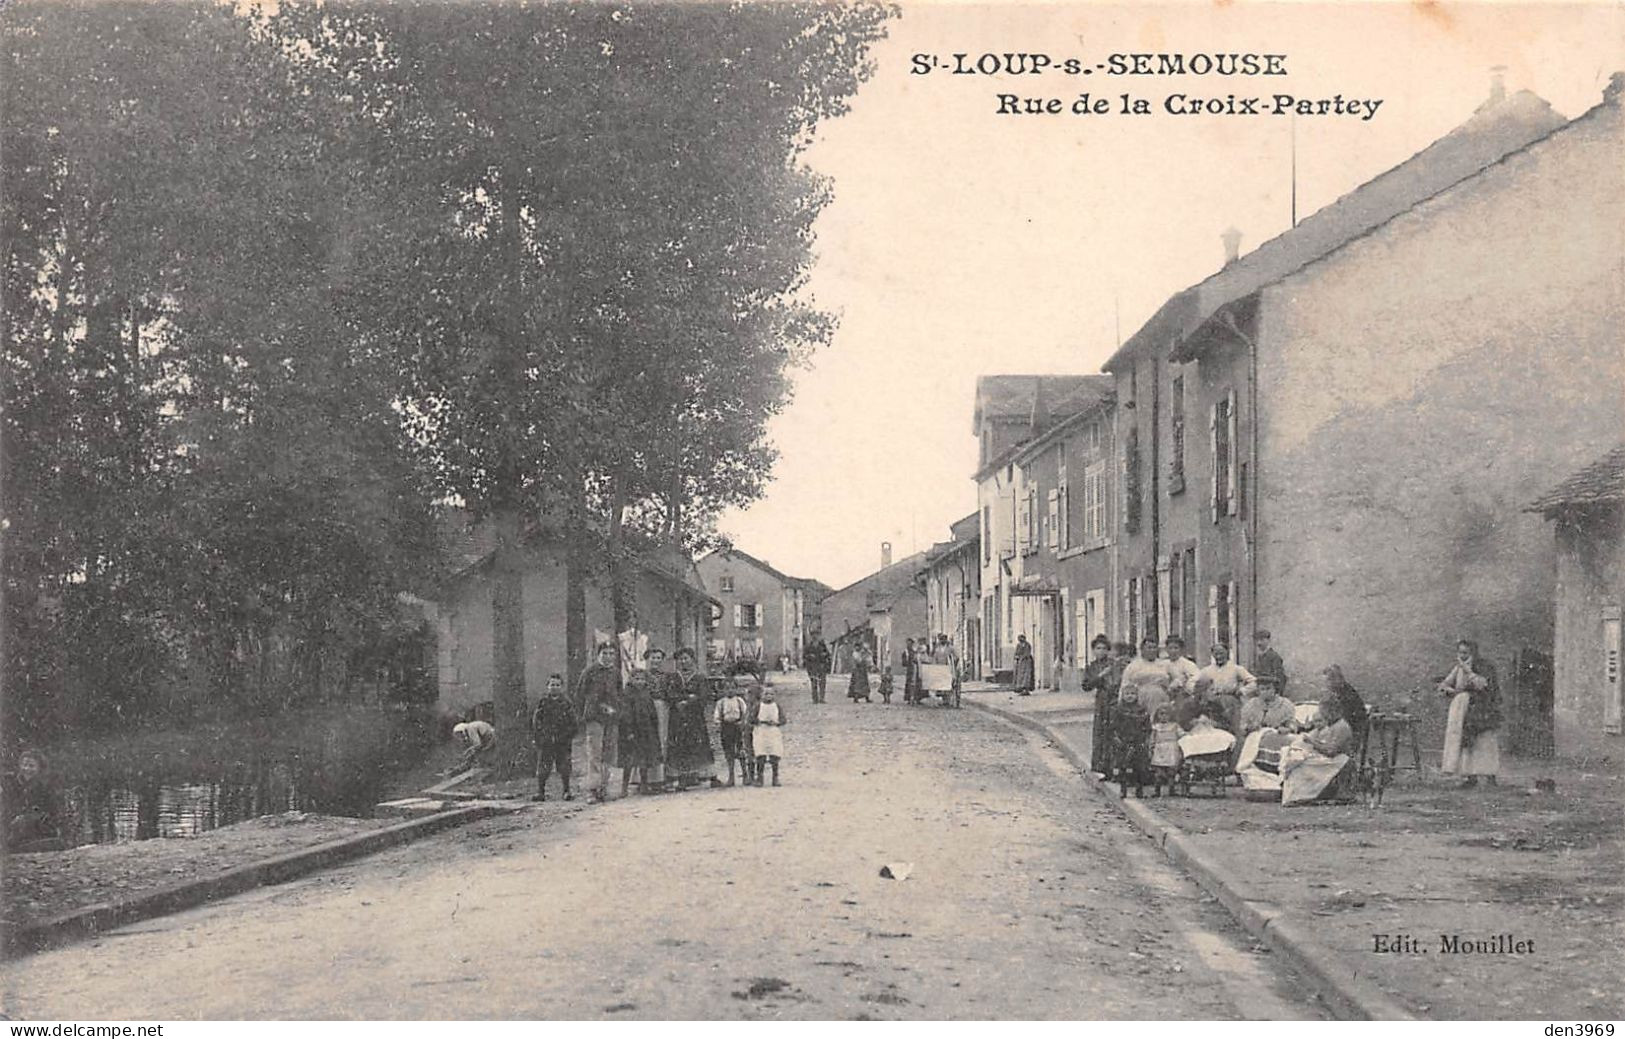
(952, 579)
(762, 613)
(1019, 511)
(880, 611)
(670, 607)
(1588, 510)
(1334, 436)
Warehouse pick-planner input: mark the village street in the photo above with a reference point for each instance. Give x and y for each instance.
(1028, 898)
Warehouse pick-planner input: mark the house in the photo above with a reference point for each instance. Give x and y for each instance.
(880, 610)
(764, 614)
(1068, 571)
(951, 578)
(1333, 436)
(1011, 413)
(669, 607)
(1588, 510)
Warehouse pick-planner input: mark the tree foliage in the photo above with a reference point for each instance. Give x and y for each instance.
(276, 280)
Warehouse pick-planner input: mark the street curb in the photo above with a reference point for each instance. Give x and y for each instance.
(1344, 991)
(89, 921)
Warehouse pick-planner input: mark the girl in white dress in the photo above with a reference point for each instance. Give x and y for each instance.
(767, 738)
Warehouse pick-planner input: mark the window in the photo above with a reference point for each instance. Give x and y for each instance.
(1148, 600)
(727, 582)
(715, 617)
(1221, 615)
(1132, 612)
(1187, 596)
(1024, 519)
(1131, 481)
(1222, 436)
(1176, 414)
(1052, 534)
(748, 615)
(987, 534)
(1094, 502)
(1061, 539)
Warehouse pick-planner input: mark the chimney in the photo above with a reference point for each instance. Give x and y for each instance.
(1498, 86)
(1232, 245)
(885, 554)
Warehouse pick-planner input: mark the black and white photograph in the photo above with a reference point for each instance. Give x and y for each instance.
(777, 511)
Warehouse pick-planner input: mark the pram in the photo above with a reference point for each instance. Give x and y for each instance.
(1206, 756)
(940, 679)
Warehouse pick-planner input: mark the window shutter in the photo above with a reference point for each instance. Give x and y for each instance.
(1230, 495)
(1213, 459)
(738, 608)
(1212, 615)
(1235, 627)
(1007, 524)
(1024, 515)
(1053, 535)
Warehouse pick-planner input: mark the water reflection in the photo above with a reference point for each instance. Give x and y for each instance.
(185, 799)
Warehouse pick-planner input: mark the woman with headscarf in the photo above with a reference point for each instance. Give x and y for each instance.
(857, 687)
(1350, 707)
(1472, 734)
(1026, 675)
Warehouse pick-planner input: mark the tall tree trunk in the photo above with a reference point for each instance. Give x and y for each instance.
(508, 624)
(620, 594)
(575, 575)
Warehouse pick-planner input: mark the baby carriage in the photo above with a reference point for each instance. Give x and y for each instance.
(1206, 757)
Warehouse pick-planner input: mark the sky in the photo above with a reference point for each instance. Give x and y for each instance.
(961, 242)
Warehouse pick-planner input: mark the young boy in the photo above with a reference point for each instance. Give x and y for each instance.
(552, 727)
(1131, 742)
(731, 715)
(767, 736)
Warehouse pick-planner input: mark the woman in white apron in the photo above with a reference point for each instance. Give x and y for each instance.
(1472, 732)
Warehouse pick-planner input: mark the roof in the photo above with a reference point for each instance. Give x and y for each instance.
(1601, 482)
(471, 545)
(1032, 398)
(966, 527)
(1051, 405)
(766, 567)
(1028, 448)
(874, 593)
(1495, 130)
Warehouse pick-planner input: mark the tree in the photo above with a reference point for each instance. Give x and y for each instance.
(595, 235)
(201, 454)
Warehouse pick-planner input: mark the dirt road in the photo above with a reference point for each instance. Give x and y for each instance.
(1027, 899)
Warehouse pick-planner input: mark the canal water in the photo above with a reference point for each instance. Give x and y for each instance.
(335, 764)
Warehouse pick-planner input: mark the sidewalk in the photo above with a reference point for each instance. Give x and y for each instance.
(1434, 860)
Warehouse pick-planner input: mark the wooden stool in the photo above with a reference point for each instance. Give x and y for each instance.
(1385, 730)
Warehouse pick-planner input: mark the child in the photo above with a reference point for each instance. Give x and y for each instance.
(1165, 733)
(885, 685)
(767, 736)
(639, 746)
(1131, 742)
(553, 727)
(731, 714)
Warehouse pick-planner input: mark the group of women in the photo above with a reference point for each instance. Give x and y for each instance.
(1306, 755)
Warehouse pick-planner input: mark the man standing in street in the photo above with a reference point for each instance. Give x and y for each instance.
(816, 660)
(598, 691)
(1267, 662)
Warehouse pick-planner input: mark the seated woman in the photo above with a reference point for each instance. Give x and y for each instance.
(1267, 710)
(1316, 765)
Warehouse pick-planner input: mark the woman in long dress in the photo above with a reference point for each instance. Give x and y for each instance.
(1098, 679)
(858, 687)
(1472, 733)
(1025, 676)
(690, 756)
